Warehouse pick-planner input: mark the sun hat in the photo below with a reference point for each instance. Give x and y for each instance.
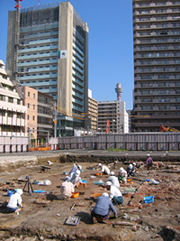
(105, 194)
(19, 191)
(112, 173)
(121, 169)
(108, 183)
(130, 166)
(99, 164)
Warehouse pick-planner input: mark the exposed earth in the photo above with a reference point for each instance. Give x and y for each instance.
(44, 216)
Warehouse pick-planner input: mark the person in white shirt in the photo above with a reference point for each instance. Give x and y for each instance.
(115, 194)
(15, 201)
(104, 169)
(122, 175)
(113, 179)
(67, 188)
(75, 177)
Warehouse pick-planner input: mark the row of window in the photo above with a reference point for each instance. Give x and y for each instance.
(161, 107)
(36, 60)
(162, 100)
(159, 40)
(10, 99)
(159, 18)
(158, 92)
(162, 76)
(157, 3)
(158, 25)
(171, 54)
(162, 69)
(160, 84)
(150, 33)
(150, 62)
(158, 11)
(38, 53)
(160, 47)
(12, 114)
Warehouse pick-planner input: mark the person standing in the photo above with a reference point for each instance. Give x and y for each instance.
(149, 161)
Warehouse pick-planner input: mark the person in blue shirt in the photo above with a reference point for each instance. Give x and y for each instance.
(75, 168)
(102, 209)
(131, 170)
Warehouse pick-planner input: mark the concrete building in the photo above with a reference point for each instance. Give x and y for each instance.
(115, 112)
(156, 34)
(39, 114)
(92, 111)
(12, 116)
(52, 58)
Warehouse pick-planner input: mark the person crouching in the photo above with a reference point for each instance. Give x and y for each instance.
(15, 201)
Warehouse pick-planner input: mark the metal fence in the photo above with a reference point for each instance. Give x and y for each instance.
(132, 141)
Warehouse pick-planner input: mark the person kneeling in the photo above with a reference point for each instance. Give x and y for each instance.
(115, 194)
(15, 201)
(102, 209)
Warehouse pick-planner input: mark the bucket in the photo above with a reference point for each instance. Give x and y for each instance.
(149, 199)
(10, 192)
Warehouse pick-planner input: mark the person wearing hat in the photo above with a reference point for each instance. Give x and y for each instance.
(15, 201)
(131, 170)
(102, 209)
(149, 161)
(75, 177)
(113, 179)
(67, 187)
(115, 194)
(104, 169)
(122, 175)
(75, 168)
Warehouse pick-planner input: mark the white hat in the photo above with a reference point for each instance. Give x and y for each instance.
(148, 154)
(99, 164)
(112, 173)
(121, 169)
(134, 164)
(105, 194)
(80, 167)
(108, 183)
(130, 166)
(19, 191)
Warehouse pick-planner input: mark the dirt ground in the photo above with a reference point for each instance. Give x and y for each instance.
(159, 220)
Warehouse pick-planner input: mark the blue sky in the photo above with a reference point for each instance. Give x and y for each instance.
(110, 44)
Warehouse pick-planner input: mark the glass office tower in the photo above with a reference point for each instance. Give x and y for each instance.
(52, 58)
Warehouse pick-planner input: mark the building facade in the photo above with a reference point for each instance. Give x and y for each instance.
(156, 34)
(53, 58)
(12, 116)
(92, 111)
(115, 113)
(39, 114)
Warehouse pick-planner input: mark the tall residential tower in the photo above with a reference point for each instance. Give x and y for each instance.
(156, 32)
(53, 58)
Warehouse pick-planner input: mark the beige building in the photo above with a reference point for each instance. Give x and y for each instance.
(156, 35)
(92, 111)
(30, 97)
(53, 58)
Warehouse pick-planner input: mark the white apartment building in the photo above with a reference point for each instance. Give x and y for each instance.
(12, 115)
(115, 112)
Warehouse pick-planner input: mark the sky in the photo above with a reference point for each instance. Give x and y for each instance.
(110, 44)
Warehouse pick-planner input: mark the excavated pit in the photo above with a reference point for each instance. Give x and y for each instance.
(159, 220)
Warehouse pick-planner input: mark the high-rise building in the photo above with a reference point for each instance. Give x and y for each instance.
(52, 58)
(156, 34)
(92, 111)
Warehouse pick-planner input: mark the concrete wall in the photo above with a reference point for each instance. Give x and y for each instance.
(132, 141)
(13, 144)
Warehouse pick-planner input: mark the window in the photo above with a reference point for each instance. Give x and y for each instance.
(33, 118)
(10, 99)
(28, 105)
(28, 117)
(33, 107)
(29, 94)
(34, 96)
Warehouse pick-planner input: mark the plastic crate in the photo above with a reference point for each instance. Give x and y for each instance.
(149, 199)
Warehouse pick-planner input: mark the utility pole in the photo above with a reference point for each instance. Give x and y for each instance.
(55, 119)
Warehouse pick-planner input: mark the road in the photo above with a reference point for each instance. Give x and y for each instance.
(92, 152)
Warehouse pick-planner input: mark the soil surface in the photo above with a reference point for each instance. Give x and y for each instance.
(44, 216)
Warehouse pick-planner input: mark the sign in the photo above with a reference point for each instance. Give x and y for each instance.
(62, 54)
